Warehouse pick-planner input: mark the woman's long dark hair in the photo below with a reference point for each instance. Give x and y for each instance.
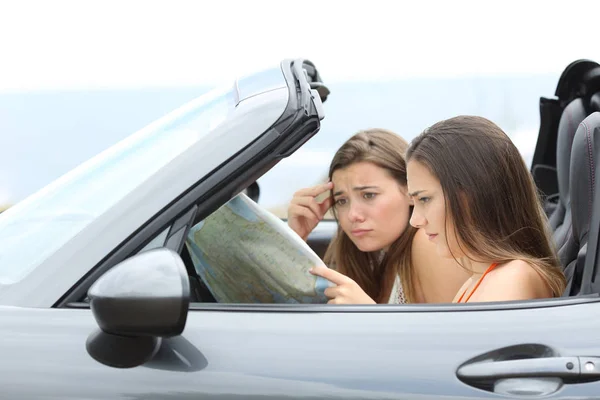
(490, 194)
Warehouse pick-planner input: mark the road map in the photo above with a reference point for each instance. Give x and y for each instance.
(245, 254)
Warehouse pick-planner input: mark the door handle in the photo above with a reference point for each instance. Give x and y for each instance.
(570, 369)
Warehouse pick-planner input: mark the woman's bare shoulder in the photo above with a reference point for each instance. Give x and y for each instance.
(514, 280)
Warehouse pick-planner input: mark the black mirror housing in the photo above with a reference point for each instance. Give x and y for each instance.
(145, 295)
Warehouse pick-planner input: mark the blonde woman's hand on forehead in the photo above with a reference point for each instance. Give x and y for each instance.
(345, 291)
(305, 212)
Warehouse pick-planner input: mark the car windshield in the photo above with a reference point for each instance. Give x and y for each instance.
(35, 228)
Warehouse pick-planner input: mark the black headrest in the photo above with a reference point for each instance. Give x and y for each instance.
(571, 117)
(585, 155)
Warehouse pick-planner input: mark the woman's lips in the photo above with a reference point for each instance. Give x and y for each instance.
(360, 232)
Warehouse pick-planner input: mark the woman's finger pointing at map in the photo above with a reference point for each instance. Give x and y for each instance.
(346, 290)
(331, 275)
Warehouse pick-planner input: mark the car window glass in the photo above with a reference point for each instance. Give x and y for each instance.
(33, 229)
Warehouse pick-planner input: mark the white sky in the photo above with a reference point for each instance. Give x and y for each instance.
(90, 44)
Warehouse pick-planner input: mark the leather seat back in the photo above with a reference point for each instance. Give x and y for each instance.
(585, 157)
(561, 219)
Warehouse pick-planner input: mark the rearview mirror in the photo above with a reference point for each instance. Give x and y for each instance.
(137, 302)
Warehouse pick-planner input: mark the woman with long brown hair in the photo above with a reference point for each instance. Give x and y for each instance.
(476, 200)
(376, 256)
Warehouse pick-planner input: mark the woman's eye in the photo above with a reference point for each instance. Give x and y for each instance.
(369, 196)
(340, 202)
(424, 199)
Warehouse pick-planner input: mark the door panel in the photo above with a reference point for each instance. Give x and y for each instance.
(296, 353)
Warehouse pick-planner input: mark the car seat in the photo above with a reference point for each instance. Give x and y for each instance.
(585, 156)
(560, 219)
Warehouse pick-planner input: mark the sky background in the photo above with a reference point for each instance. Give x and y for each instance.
(114, 44)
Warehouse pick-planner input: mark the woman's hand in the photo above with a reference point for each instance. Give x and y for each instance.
(305, 212)
(346, 290)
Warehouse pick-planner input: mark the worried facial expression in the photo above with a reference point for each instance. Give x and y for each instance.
(429, 211)
(371, 206)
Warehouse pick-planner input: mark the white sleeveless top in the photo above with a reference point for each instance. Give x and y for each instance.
(397, 294)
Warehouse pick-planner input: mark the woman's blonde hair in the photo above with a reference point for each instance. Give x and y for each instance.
(374, 275)
(490, 195)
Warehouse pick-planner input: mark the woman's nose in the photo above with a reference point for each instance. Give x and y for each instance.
(417, 219)
(355, 214)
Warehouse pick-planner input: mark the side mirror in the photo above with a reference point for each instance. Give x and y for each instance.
(136, 303)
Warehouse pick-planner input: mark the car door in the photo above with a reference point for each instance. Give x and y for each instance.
(402, 351)
(299, 352)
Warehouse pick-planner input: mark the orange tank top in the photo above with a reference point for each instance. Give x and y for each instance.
(491, 267)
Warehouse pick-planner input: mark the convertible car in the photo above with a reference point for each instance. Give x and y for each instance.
(99, 298)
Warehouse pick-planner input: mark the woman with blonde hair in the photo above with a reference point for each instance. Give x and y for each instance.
(476, 200)
(376, 256)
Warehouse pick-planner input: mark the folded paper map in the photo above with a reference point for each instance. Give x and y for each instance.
(245, 254)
